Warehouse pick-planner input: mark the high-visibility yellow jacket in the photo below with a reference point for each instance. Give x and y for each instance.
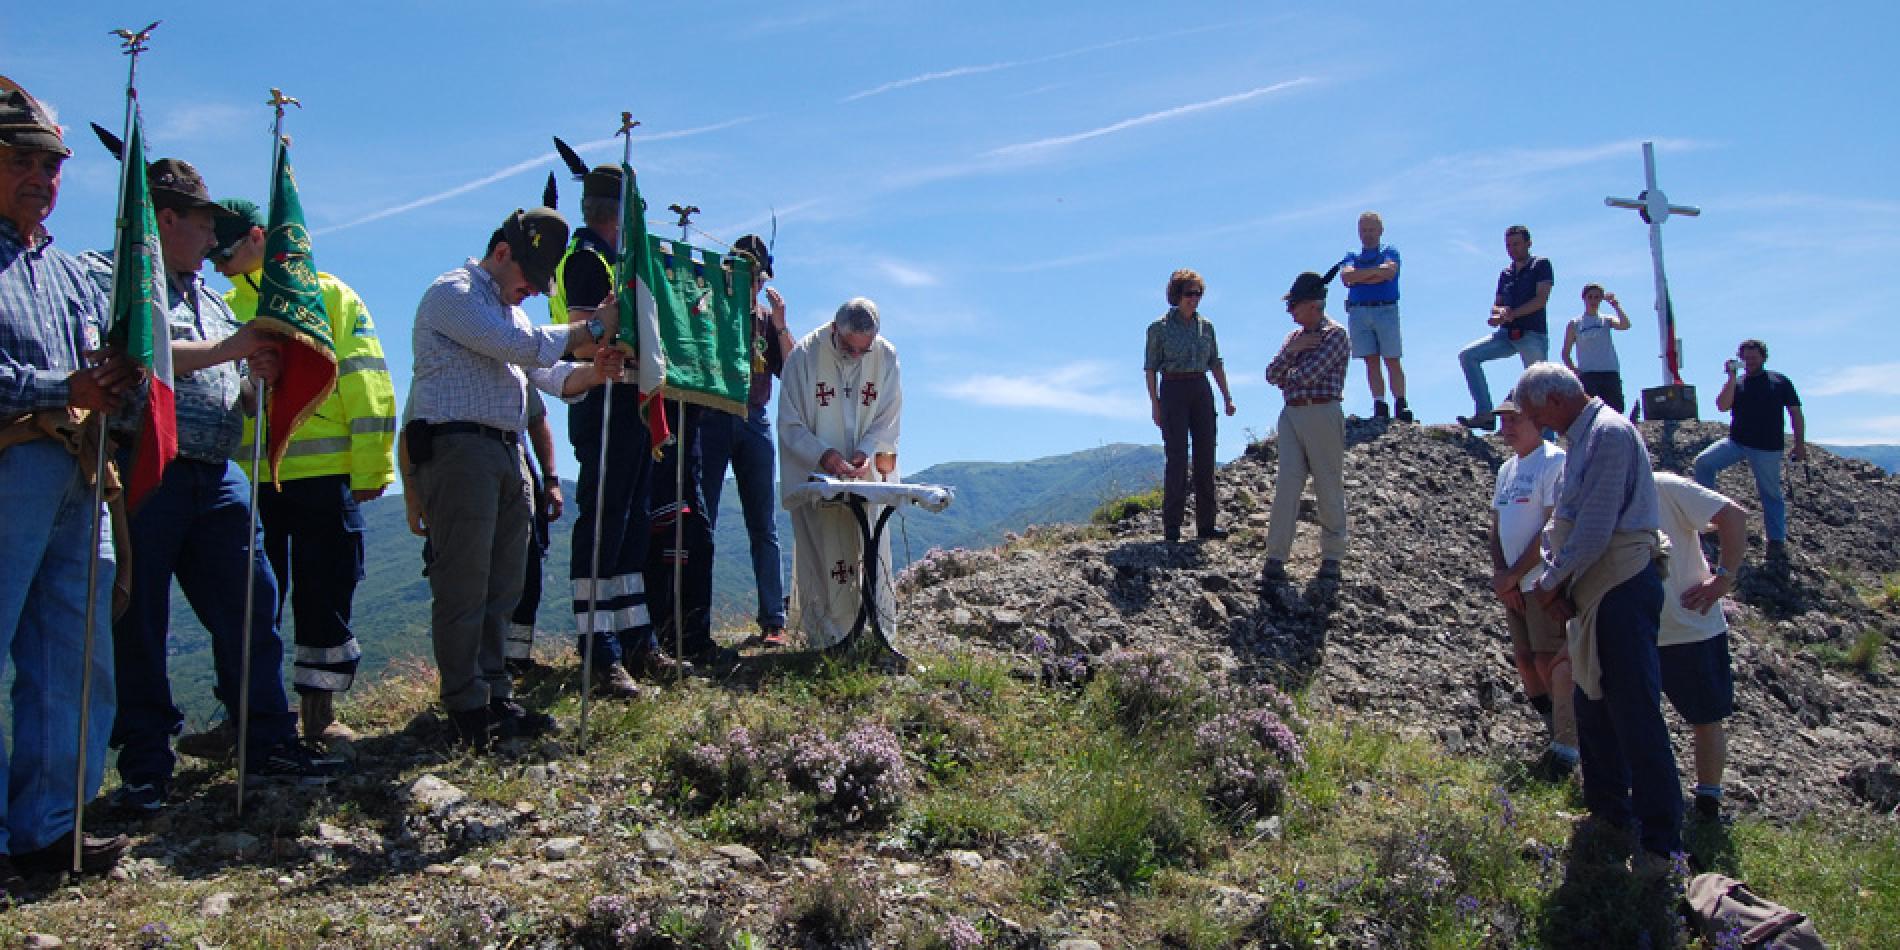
(354, 432)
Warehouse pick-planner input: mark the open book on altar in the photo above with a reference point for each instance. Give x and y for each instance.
(826, 488)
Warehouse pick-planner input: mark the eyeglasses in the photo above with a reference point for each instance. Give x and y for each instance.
(1191, 293)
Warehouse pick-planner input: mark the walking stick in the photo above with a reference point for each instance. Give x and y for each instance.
(134, 44)
(679, 488)
(600, 471)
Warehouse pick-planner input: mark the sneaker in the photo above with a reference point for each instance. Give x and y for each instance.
(138, 799)
(773, 637)
(612, 679)
(511, 720)
(216, 744)
(1485, 421)
(1404, 413)
(319, 751)
(96, 856)
(1329, 569)
(289, 763)
(1380, 410)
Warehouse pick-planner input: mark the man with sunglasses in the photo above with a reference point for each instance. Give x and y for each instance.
(838, 416)
(340, 458)
(464, 481)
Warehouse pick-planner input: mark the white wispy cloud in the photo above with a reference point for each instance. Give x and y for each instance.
(974, 70)
(1084, 388)
(1873, 379)
(905, 275)
(1882, 430)
(1022, 149)
(546, 161)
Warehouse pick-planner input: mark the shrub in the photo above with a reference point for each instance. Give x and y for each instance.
(1122, 509)
(775, 786)
(1245, 756)
(836, 908)
(1148, 687)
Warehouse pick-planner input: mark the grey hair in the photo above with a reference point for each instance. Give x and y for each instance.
(857, 316)
(598, 209)
(1546, 382)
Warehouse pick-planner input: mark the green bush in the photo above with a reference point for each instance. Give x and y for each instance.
(1122, 509)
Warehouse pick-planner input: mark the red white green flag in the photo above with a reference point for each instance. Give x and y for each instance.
(138, 324)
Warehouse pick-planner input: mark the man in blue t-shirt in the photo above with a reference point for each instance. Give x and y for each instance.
(1518, 314)
(1755, 436)
(1371, 276)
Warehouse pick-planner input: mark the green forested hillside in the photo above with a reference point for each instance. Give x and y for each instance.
(392, 604)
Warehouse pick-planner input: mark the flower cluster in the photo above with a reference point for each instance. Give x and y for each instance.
(1245, 756)
(617, 921)
(725, 769)
(959, 934)
(849, 778)
(1147, 685)
(1060, 670)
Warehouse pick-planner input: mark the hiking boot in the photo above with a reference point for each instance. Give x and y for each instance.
(1380, 410)
(320, 751)
(1708, 808)
(655, 665)
(290, 763)
(1171, 535)
(1483, 421)
(511, 720)
(1777, 550)
(1404, 413)
(138, 799)
(1212, 534)
(473, 730)
(524, 666)
(318, 709)
(711, 659)
(1273, 570)
(612, 679)
(1552, 768)
(1329, 569)
(12, 885)
(96, 856)
(216, 744)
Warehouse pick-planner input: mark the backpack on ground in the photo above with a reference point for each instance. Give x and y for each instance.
(1727, 914)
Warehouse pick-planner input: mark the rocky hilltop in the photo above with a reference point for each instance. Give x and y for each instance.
(1412, 634)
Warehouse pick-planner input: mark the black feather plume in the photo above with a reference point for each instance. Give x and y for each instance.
(572, 158)
(550, 196)
(1330, 274)
(110, 141)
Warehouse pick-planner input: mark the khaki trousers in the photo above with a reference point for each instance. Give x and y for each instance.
(1312, 443)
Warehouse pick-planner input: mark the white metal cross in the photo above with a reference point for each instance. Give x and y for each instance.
(1655, 208)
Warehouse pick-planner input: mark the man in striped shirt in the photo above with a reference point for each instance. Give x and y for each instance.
(1311, 373)
(464, 479)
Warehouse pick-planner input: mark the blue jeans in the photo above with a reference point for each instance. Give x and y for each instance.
(1629, 771)
(195, 527)
(47, 537)
(747, 445)
(1765, 463)
(1530, 348)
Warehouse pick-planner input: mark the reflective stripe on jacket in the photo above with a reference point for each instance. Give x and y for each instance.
(354, 432)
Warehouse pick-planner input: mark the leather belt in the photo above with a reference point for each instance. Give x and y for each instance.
(475, 428)
(1296, 403)
(1200, 375)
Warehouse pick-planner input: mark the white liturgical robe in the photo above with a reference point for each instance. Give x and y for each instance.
(827, 401)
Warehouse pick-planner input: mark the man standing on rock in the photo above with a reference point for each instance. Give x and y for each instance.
(464, 480)
(1521, 504)
(340, 458)
(1696, 675)
(1518, 314)
(1371, 276)
(1311, 373)
(838, 416)
(1601, 565)
(52, 319)
(1755, 436)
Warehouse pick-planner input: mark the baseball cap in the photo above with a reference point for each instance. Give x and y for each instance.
(244, 215)
(538, 239)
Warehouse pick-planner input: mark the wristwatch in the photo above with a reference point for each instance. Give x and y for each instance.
(596, 329)
(1718, 571)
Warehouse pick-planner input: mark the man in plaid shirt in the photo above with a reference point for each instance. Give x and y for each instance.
(1311, 374)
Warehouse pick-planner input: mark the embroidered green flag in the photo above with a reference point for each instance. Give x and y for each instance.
(704, 317)
(290, 302)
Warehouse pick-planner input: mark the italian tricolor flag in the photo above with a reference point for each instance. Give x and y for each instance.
(138, 325)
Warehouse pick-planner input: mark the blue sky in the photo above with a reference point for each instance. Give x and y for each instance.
(1013, 183)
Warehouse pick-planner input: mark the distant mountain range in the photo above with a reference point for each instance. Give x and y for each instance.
(1885, 456)
(992, 498)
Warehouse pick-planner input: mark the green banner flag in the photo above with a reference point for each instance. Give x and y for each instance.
(704, 315)
(138, 325)
(290, 302)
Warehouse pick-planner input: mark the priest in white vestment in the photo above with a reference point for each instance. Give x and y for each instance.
(838, 408)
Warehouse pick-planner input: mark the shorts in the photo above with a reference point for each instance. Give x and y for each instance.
(1374, 330)
(1534, 631)
(1698, 681)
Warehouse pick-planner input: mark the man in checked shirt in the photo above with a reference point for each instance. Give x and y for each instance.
(464, 480)
(1311, 374)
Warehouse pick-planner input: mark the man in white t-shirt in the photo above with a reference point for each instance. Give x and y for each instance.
(1693, 639)
(1520, 505)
